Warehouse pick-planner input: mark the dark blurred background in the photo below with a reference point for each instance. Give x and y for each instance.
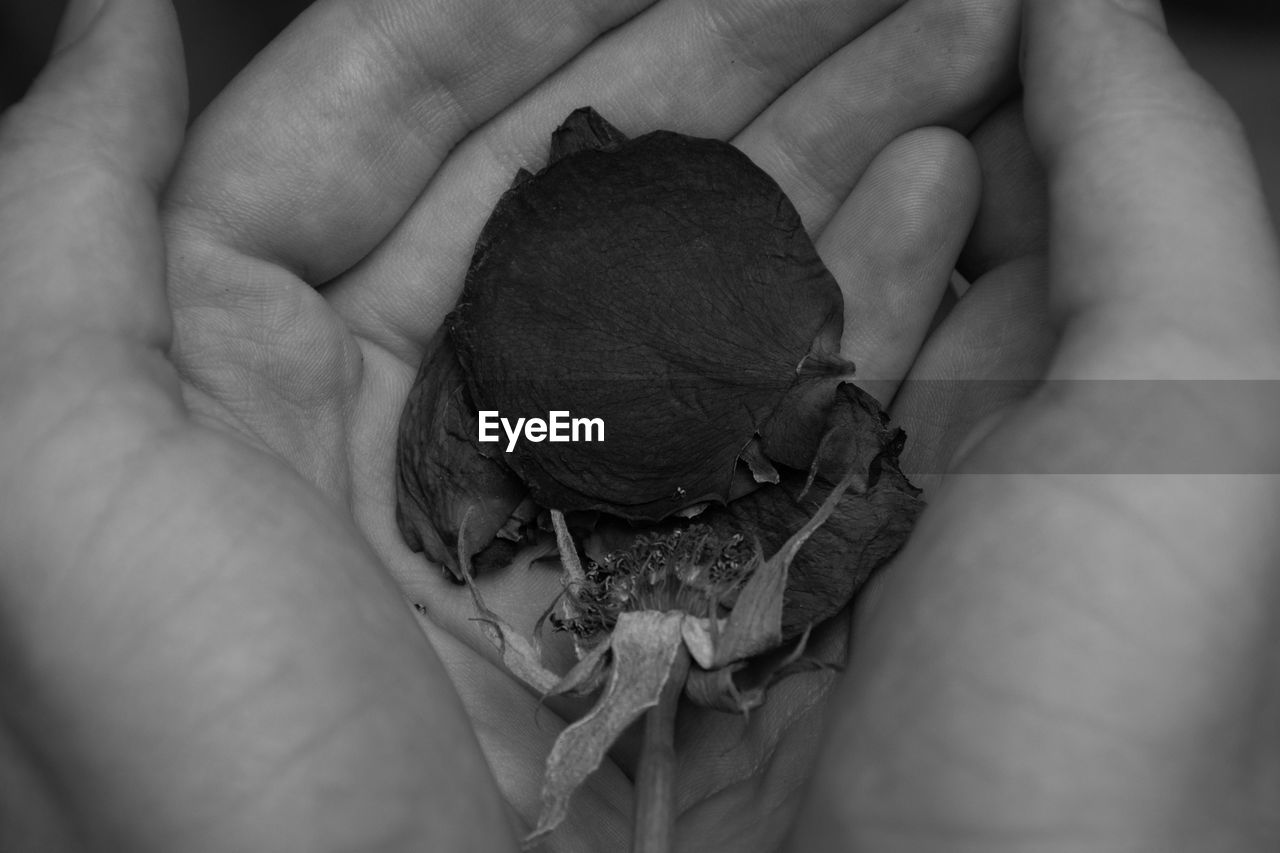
(1234, 43)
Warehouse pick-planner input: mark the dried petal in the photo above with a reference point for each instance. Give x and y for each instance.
(443, 476)
(664, 285)
(755, 624)
(866, 527)
(588, 674)
(584, 130)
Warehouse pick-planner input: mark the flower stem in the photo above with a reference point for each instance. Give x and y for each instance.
(655, 817)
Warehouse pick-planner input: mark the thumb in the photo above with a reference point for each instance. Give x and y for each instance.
(82, 158)
(1164, 261)
(115, 87)
(1079, 632)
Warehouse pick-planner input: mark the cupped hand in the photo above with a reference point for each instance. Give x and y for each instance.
(207, 646)
(374, 189)
(1077, 649)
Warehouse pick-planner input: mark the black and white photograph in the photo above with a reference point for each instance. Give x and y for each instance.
(639, 426)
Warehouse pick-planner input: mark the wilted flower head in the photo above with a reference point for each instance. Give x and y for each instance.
(744, 490)
(666, 286)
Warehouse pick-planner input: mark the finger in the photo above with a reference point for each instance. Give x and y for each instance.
(1013, 217)
(927, 64)
(703, 69)
(989, 353)
(172, 601)
(1155, 197)
(82, 312)
(993, 347)
(892, 246)
(686, 74)
(81, 159)
(1064, 612)
(320, 145)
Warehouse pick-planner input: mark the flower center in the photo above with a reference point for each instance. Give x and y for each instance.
(692, 568)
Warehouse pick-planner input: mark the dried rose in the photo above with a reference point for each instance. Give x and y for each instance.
(666, 286)
(695, 604)
(744, 491)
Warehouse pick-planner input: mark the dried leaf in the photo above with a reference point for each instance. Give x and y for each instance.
(741, 686)
(645, 645)
(520, 655)
(588, 674)
(718, 689)
(700, 635)
(755, 624)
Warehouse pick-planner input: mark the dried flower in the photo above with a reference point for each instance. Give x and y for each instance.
(666, 286)
(744, 491)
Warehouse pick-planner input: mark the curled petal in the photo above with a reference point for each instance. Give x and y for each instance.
(868, 523)
(443, 477)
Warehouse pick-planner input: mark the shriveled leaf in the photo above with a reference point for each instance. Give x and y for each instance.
(520, 655)
(718, 690)
(755, 624)
(866, 531)
(700, 635)
(664, 285)
(645, 645)
(743, 685)
(588, 674)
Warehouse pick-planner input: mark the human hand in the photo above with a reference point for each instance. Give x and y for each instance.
(1077, 648)
(202, 635)
(390, 144)
(199, 650)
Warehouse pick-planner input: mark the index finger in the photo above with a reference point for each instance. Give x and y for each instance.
(313, 152)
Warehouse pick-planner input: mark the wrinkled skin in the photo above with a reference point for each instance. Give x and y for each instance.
(198, 479)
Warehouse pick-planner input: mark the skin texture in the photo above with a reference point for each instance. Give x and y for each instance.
(204, 643)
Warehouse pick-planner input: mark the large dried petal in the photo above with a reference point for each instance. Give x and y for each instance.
(666, 286)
